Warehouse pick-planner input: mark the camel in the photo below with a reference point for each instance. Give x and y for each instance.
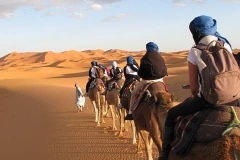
(149, 117)
(97, 99)
(217, 137)
(106, 107)
(125, 102)
(112, 98)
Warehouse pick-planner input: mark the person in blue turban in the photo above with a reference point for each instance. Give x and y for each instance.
(152, 69)
(202, 26)
(130, 73)
(151, 46)
(115, 74)
(204, 31)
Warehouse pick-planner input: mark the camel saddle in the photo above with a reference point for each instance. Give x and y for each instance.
(111, 85)
(144, 93)
(205, 126)
(129, 88)
(92, 84)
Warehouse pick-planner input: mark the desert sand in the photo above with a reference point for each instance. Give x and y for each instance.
(38, 116)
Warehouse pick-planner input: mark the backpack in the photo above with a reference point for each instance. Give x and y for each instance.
(220, 81)
(118, 73)
(108, 71)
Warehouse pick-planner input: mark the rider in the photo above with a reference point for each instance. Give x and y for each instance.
(152, 69)
(101, 66)
(103, 74)
(204, 30)
(130, 73)
(92, 75)
(115, 74)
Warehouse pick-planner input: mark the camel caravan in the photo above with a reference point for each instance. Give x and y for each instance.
(213, 132)
(203, 126)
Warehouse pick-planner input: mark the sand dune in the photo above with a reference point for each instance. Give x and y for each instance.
(37, 100)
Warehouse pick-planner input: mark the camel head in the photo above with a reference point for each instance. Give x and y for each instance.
(162, 100)
(99, 84)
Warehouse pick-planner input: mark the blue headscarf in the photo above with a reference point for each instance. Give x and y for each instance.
(130, 60)
(151, 46)
(93, 63)
(203, 26)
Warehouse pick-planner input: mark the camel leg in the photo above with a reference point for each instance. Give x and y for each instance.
(102, 106)
(148, 144)
(95, 110)
(113, 117)
(134, 139)
(106, 110)
(125, 129)
(139, 143)
(149, 147)
(99, 109)
(98, 113)
(154, 132)
(98, 117)
(101, 114)
(121, 120)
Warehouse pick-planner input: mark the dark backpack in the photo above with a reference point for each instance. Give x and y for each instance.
(221, 77)
(118, 73)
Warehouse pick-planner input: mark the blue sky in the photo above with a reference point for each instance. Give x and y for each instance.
(60, 25)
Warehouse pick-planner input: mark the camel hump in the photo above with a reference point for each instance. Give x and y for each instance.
(155, 87)
(216, 123)
(204, 126)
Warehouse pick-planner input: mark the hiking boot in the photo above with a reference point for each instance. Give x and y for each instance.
(167, 139)
(128, 117)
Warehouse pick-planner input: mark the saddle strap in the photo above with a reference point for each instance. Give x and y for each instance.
(235, 123)
(165, 86)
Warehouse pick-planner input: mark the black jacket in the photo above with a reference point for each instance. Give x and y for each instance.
(152, 66)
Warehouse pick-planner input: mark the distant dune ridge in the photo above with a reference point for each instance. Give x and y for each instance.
(69, 58)
(72, 58)
(70, 61)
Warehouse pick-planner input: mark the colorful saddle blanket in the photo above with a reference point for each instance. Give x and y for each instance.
(203, 126)
(141, 88)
